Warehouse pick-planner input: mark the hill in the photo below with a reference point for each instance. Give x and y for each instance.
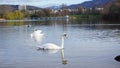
(16, 7)
(91, 4)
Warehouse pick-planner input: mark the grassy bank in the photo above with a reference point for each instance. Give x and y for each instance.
(85, 16)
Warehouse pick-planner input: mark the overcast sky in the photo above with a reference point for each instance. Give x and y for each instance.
(41, 3)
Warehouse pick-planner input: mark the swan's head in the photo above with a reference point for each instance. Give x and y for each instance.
(64, 35)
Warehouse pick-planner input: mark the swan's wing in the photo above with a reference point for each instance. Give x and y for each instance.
(50, 46)
(39, 31)
(31, 35)
(41, 34)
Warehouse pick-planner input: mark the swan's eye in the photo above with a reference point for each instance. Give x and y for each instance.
(64, 35)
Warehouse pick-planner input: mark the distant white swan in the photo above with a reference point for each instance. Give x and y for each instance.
(51, 46)
(37, 35)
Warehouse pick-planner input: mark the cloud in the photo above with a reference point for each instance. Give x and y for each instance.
(27, 2)
(20, 1)
(40, 2)
(31, 2)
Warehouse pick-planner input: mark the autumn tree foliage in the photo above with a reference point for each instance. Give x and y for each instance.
(16, 15)
(112, 10)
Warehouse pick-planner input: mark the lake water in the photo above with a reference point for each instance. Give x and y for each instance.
(86, 45)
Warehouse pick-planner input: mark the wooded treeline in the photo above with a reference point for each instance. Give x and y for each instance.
(111, 11)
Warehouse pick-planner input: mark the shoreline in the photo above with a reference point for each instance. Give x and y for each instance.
(39, 19)
(17, 20)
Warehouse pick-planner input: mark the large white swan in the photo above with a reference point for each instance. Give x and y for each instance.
(51, 46)
(37, 35)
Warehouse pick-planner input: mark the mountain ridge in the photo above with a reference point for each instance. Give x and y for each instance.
(16, 7)
(86, 4)
(91, 4)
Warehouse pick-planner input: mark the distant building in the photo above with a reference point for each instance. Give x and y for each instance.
(22, 7)
(99, 8)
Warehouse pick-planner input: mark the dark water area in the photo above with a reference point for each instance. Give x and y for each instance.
(87, 45)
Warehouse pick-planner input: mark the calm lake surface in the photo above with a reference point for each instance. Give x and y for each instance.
(86, 45)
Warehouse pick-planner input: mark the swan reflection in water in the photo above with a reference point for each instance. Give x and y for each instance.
(48, 51)
(64, 61)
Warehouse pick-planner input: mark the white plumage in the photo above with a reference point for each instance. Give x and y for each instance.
(51, 46)
(37, 35)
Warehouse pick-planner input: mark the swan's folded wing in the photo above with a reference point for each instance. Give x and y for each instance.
(50, 46)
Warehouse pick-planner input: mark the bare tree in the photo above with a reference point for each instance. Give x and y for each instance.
(64, 10)
(4, 9)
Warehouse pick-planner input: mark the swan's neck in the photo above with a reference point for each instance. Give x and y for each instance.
(62, 55)
(62, 44)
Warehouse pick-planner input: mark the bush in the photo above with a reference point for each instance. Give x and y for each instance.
(16, 15)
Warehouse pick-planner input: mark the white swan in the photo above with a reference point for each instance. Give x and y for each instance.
(51, 46)
(37, 35)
